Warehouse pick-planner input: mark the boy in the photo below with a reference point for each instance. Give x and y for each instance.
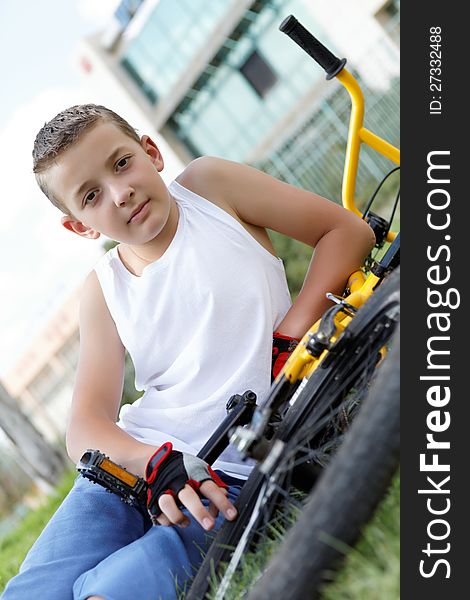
(194, 292)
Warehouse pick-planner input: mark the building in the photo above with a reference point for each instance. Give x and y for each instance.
(42, 380)
(226, 82)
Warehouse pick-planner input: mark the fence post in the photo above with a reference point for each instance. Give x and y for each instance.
(41, 458)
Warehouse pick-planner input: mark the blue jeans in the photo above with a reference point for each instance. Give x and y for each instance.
(95, 544)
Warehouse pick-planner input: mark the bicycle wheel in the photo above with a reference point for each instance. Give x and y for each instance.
(344, 499)
(312, 428)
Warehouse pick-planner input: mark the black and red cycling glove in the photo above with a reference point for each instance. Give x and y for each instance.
(168, 471)
(283, 346)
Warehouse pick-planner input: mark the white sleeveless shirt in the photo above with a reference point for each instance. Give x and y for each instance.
(198, 326)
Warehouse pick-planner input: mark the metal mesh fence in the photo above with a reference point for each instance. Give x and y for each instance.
(312, 155)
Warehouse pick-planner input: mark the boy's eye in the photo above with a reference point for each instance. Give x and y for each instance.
(123, 162)
(89, 198)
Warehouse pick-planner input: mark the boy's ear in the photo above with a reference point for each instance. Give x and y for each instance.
(152, 150)
(79, 228)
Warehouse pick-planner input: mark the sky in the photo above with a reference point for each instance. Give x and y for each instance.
(40, 262)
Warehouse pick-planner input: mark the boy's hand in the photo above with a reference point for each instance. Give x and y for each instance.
(283, 346)
(176, 478)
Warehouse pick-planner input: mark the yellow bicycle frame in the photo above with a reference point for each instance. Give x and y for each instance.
(358, 135)
(301, 363)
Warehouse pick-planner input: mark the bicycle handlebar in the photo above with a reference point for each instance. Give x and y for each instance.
(301, 36)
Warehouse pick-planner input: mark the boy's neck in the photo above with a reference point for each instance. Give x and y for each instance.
(136, 257)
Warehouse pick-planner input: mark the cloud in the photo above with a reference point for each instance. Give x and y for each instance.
(19, 190)
(94, 11)
(42, 262)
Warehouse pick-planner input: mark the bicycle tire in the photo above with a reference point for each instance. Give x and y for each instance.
(344, 499)
(297, 419)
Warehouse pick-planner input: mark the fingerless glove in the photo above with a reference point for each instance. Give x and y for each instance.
(168, 471)
(283, 346)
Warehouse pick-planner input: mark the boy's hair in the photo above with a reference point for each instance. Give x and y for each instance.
(62, 131)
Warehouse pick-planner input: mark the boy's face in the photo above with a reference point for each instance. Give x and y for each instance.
(111, 184)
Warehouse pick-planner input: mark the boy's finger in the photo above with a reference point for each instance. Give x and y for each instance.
(218, 497)
(192, 502)
(168, 506)
(213, 510)
(163, 520)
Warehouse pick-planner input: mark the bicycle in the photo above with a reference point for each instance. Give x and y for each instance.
(313, 401)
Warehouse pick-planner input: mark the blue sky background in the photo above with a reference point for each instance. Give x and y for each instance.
(36, 42)
(40, 263)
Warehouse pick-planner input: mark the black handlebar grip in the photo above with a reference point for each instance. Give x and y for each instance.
(301, 36)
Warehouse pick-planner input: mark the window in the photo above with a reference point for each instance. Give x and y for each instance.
(126, 10)
(168, 43)
(143, 85)
(43, 385)
(258, 73)
(389, 17)
(70, 351)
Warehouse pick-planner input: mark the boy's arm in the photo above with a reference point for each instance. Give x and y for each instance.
(95, 407)
(98, 387)
(341, 239)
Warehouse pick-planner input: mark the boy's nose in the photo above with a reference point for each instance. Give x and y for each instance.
(121, 195)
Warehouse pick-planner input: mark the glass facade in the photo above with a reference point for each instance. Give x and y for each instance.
(126, 11)
(236, 107)
(170, 39)
(233, 109)
(311, 155)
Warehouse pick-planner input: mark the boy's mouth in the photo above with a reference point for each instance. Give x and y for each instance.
(139, 211)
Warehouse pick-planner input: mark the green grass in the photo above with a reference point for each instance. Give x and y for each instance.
(371, 570)
(15, 545)
(252, 565)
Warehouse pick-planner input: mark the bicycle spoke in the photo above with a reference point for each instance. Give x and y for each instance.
(308, 436)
